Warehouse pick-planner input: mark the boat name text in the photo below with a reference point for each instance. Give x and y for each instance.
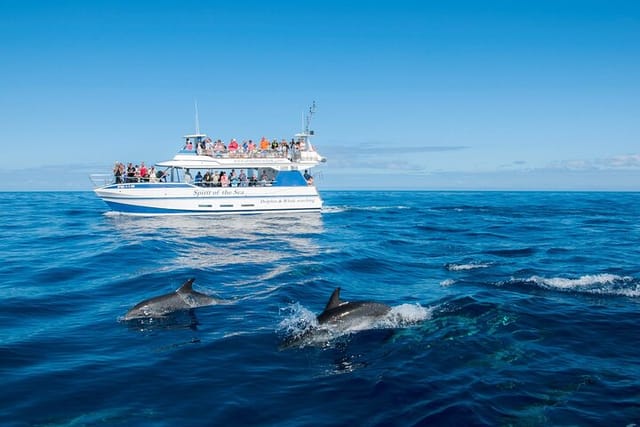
(219, 192)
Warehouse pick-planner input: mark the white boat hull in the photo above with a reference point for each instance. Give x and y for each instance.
(188, 199)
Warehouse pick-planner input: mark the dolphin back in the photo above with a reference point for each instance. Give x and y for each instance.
(337, 310)
(183, 298)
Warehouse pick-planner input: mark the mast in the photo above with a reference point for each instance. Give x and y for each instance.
(305, 136)
(195, 101)
(307, 119)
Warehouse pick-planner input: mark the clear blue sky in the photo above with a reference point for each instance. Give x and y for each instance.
(493, 94)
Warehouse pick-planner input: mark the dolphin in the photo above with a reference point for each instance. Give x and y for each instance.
(184, 298)
(338, 312)
(337, 318)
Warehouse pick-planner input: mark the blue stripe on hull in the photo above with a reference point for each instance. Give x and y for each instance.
(144, 210)
(200, 198)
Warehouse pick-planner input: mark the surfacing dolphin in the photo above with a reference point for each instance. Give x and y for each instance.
(338, 318)
(184, 298)
(340, 312)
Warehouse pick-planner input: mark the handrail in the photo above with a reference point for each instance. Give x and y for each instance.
(101, 179)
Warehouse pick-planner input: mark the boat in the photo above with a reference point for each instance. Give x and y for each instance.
(209, 178)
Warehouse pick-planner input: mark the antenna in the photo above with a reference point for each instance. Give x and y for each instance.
(307, 121)
(195, 101)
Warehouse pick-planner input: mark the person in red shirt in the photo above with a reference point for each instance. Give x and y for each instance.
(144, 173)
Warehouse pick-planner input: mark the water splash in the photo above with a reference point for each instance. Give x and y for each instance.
(300, 327)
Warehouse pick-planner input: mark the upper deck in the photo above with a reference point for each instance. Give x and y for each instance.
(200, 151)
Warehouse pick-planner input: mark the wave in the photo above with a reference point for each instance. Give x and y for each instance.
(340, 209)
(602, 284)
(333, 209)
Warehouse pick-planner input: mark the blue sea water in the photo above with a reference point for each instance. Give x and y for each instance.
(507, 309)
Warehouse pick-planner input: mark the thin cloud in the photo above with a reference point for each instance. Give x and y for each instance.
(371, 148)
(619, 162)
(371, 166)
(390, 147)
(412, 149)
(626, 161)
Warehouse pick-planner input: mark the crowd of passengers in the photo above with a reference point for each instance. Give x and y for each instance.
(210, 178)
(222, 179)
(136, 173)
(208, 147)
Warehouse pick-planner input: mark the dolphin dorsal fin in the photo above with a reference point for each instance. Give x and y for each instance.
(186, 286)
(334, 300)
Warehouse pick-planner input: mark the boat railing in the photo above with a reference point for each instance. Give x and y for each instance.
(104, 179)
(101, 179)
(236, 183)
(294, 155)
(241, 154)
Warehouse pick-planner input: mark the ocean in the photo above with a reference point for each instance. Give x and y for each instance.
(507, 309)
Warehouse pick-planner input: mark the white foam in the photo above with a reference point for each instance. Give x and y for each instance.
(405, 315)
(605, 283)
(298, 321)
(447, 282)
(333, 209)
(469, 266)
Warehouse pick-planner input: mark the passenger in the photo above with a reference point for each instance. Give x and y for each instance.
(144, 172)
(264, 144)
(208, 147)
(253, 182)
(117, 172)
(284, 148)
(218, 148)
(215, 179)
(206, 179)
(187, 176)
(152, 175)
(188, 145)
(251, 147)
(224, 179)
(233, 178)
(264, 178)
(131, 173)
(274, 145)
(233, 146)
(136, 174)
(294, 152)
(243, 179)
(162, 175)
(198, 179)
(308, 177)
(245, 146)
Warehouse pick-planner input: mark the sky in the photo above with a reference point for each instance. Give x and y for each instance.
(415, 95)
